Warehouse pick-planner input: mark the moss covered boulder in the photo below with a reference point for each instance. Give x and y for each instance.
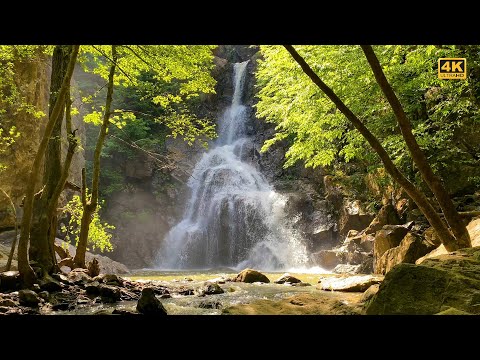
(440, 283)
(251, 276)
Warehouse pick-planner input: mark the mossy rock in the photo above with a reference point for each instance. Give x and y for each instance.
(447, 281)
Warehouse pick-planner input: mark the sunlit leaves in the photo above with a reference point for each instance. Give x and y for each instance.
(319, 135)
(177, 73)
(99, 236)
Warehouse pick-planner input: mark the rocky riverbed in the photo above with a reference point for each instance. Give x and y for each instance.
(248, 292)
(445, 284)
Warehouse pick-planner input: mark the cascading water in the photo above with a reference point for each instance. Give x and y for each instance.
(234, 217)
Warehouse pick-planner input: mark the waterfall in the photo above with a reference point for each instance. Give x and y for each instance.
(234, 217)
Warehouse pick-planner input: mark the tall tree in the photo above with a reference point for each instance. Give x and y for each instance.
(44, 224)
(433, 181)
(26, 272)
(417, 196)
(180, 73)
(90, 205)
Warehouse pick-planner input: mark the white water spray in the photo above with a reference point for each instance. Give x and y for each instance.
(234, 217)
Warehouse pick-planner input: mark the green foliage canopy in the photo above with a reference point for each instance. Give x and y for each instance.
(319, 135)
(168, 76)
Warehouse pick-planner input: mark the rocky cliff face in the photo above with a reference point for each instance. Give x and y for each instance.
(154, 198)
(314, 214)
(33, 80)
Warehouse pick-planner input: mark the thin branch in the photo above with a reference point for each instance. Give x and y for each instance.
(116, 64)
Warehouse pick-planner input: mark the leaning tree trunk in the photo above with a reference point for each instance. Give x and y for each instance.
(90, 205)
(44, 221)
(26, 272)
(423, 203)
(433, 181)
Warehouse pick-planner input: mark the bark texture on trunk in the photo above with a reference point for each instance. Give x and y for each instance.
(90, 205)
(44, 224)
(455, 222)
(417, 196)
(26, 272)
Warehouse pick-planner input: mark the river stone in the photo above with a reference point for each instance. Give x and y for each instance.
(148, 304)
(347, 269)
(112, 279)
(210, 288)
(355, 283)
(388, 237)
(93, 288)
(50, 284)
(79, 276)
(62, 306)
(411, 248)
(93, 268)
(62, 278)
(9, 280)
(44, 295)
(7, 303)
(109, 294)
(210, 304)
(287, 278)
(28, 298)
(251, 276)
(370, 292)
(451, 280)
(386, 216)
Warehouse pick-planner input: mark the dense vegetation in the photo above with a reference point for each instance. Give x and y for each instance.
(444, 114)
(376, 119)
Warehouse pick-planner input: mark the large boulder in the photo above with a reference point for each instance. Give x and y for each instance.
(440, 283)
(109, 294)
(50, 284)
(209, 288)
(359, 241)
(106, 265)
(347, 269)
(28, 298)
(148, 304)
(473, 229)
(353, 217)
(251, 276)
(386, 216)
(9, 280)
(411, 248)
(357, 283)
(110, 279)
(79, 276)
(370, 293)
(431, 237)
(287, 278)
(388, 237)
(4, 252)
(326, 259)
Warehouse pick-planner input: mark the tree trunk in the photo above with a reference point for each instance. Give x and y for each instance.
(44, 224)
(423, 204)
(456, 224)
(26, 272)
(90, 205)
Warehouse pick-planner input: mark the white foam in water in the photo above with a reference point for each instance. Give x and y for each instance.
(234, 217)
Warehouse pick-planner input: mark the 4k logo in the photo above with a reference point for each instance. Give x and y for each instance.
(452, 68)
